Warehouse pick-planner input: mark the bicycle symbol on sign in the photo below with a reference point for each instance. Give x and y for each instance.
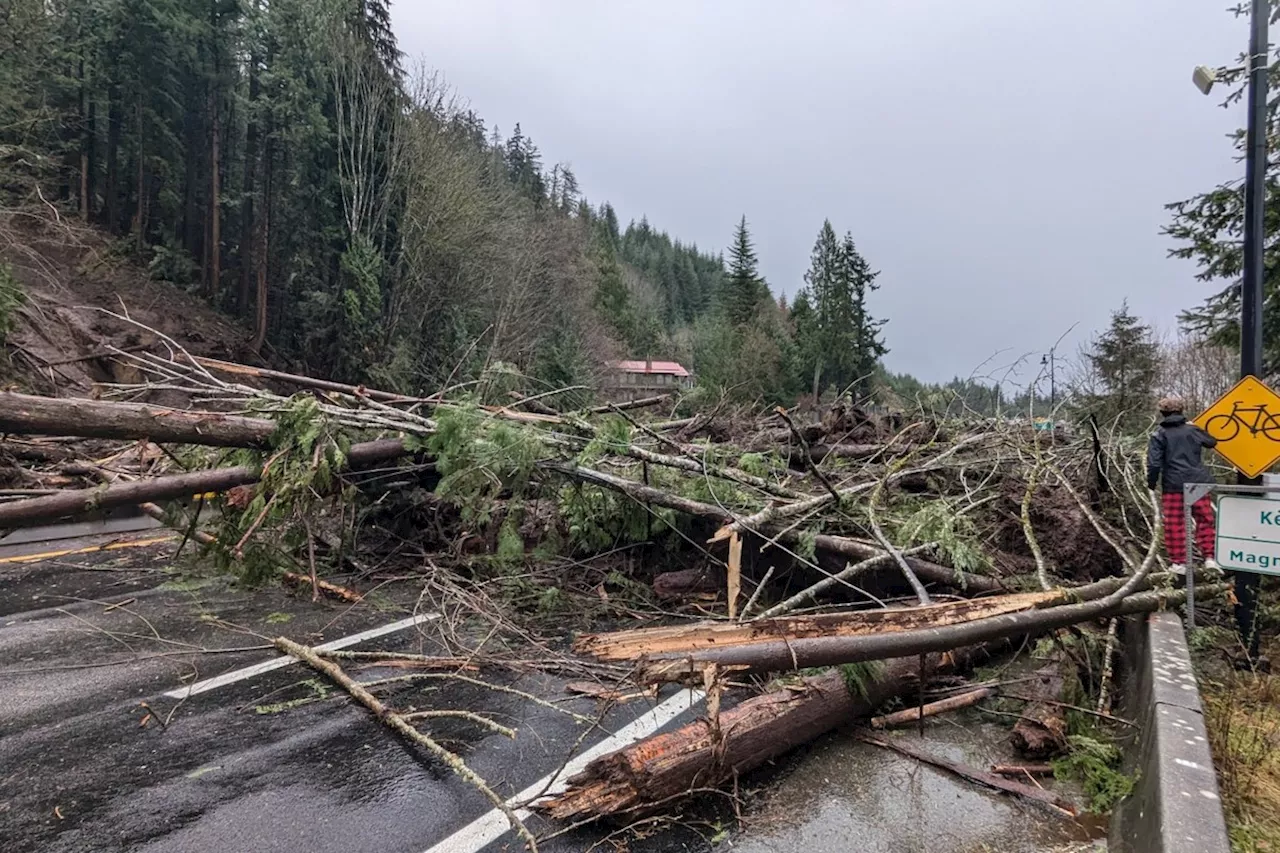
(1227, 427)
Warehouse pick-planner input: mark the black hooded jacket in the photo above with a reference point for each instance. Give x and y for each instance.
(1173, 454)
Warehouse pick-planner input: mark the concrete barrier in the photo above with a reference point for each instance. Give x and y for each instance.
(1175, 806)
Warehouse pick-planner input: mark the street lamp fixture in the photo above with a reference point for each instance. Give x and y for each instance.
(1204, 77)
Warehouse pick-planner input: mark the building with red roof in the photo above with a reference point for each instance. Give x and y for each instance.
(631, 380)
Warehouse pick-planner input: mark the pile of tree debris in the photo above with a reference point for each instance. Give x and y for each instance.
(890, 550)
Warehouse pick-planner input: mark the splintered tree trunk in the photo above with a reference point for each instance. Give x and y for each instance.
(1042, 730)
(708, 753)
(633, 644)
(784, 655)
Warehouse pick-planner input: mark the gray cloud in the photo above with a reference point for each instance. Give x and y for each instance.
(1004, 163)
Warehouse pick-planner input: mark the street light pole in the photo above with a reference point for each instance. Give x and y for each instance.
(1246, 583)
(1050, 361)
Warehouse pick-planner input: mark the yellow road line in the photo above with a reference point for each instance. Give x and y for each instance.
(108, 546)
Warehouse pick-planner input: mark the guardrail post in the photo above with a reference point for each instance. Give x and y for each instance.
(1188, 498)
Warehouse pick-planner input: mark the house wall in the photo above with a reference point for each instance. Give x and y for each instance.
(624, 387)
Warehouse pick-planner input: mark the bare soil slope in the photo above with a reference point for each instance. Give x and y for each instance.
(73, 275)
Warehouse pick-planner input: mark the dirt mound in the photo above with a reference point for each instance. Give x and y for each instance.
(1069, 542)
(72, 275)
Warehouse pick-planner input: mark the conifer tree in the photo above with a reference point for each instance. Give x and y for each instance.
(1125, 362)
(373, 19)
(743, 287)
(867, 345)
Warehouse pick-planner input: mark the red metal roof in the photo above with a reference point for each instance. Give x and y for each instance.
(669, 367)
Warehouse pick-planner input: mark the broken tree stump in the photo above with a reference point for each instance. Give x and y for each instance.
(671, 585)
(1041, 732)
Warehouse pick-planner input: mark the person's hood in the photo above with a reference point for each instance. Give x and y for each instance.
(1173, 420)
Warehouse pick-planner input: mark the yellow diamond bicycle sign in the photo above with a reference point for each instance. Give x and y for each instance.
(1246, 423)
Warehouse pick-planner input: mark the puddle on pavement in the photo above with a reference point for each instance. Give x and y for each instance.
(844, 795)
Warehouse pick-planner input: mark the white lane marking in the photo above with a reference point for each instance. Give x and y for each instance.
(284, 660)
(485, 830)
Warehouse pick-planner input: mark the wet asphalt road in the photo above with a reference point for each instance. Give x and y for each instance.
(95, 632)
(277, 762)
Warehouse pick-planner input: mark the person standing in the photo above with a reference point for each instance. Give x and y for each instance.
(1175, 458)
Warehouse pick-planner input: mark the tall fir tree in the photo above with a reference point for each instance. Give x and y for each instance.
(868, 345)
(373, 20)
(612, 299)
(743, 287)
(837, 338)
(819, 337)
(1125, 362)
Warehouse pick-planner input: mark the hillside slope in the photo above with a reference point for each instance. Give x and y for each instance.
(78, 286)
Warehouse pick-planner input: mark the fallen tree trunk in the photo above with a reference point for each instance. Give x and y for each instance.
(820, 452)
(76, 501)
(148, 508)
(232, 368)
(711, 752)
(1022, 769)
(786, 655)
(851, 548)
(633, 644)
(36, 453)
(29, 415)
(708, 753)
(914, 715)
(642, 403)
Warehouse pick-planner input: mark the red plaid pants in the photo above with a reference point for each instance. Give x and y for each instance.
(1175, 527)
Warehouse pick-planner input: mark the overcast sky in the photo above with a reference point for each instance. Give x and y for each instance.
(1003, 163)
